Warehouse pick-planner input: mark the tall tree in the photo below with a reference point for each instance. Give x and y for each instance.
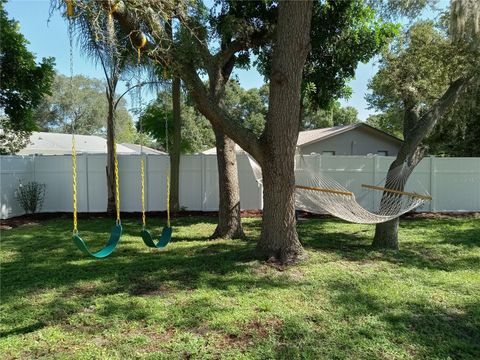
(390, 121)
(23, 84)
(424, 75)
(458, 133)
(275, 148)
(335, 115)
(176, 132)
(196, 132)
(81, 102)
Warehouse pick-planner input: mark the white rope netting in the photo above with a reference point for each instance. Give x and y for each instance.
(320, 194)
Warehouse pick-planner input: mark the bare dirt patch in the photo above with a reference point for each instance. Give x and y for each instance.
(253, 330)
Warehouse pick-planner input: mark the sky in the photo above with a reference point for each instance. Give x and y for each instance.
(48, 37)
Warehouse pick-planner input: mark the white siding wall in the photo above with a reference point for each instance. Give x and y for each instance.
(359, 141)
(454, 183)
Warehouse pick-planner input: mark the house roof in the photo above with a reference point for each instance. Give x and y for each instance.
(213, 151)
(312, 136)
(45, 143)
(146, 150)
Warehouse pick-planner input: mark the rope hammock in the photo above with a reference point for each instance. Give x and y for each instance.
(318, 193)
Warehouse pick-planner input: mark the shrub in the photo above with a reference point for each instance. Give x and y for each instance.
(31, 196)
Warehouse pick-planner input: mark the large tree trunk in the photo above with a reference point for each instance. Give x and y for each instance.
(176, 146)
(415, 129)
(229, 221)
(111, 155)
(279, 240)
(386, 235)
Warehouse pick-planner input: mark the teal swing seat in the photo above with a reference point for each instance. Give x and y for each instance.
(163, 241)
(166, 234)
(112, 243)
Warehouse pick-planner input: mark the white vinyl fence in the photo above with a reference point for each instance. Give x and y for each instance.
(454, 183)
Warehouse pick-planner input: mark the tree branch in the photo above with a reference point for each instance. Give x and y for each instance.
(241, 135)
(133, 87)
(426, 123)
(256, 39)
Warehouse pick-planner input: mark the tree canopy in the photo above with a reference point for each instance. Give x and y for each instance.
(415, 73)
(82, 104)
(333, 115)
(197, 134)
(23, 82)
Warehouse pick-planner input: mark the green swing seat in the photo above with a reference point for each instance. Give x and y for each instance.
(163, 241)
(112, 243)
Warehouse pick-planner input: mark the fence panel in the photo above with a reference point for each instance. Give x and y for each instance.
(13, 170)
(250, 190)
(457, 184)
(454, 183)
(56, 173)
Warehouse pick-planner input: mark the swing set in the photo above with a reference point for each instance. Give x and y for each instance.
(116, 232)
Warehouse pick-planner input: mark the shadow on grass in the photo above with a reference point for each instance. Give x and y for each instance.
(440, 249)
(48, 260)
(435, 331)
(23, 330)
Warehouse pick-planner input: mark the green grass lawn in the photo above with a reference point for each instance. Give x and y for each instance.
(202, 299)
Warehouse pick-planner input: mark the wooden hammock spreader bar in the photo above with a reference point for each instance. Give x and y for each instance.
(324, 190)
(414, 195)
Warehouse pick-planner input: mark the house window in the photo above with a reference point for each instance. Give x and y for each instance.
(382, 152)
(328, 152)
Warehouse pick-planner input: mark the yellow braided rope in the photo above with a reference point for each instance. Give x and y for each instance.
(168, 197)
(142, 175)
(70, 10)
(74, 185)
(117, 187)
(143, 42)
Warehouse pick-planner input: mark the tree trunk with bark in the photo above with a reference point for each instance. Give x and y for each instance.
(176, 146)
(229, 220)
(276, 149)
(416, 128)
(386, 235)
(279, 239)
(110, 154)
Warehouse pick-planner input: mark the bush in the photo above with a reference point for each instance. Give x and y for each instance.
(31, 196)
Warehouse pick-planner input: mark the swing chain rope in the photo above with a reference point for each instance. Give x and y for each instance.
(117, 185)
(70, 13)
(142, 174)
(168, 197)
(142, 161)
(74, 186)
(168, 170)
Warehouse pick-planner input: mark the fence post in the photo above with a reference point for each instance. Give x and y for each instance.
(433, 187)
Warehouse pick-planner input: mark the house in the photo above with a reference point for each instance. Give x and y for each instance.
(49, 143)
(356, 139)
(143, 149)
